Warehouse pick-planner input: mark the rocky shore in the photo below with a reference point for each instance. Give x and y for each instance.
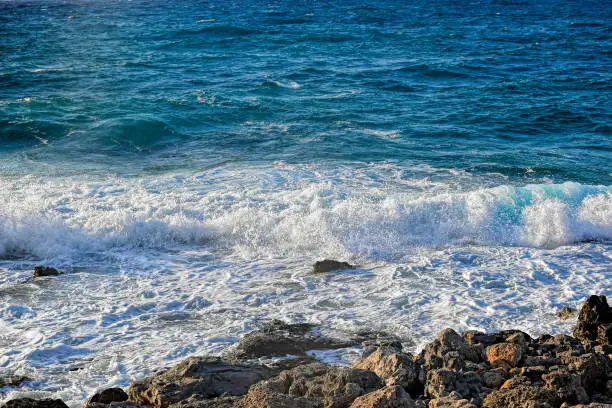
(467, 370)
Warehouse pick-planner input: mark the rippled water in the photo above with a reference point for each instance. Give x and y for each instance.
(186, 164)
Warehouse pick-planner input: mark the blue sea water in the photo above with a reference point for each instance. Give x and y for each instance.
(186, 162)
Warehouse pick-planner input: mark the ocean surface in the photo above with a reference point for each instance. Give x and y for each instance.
(185, 163)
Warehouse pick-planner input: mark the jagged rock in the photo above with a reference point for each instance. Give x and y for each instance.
(219, 402)
(566, 312)
(199, 378)
(477, 337)
(593, 369)
(41, 271)
(506, 353)
(373, 340)
(520, 392)
(395, 368)
(449, 350)
(329, 265)
(388, 397)
(278, 338)
(594, 313)
(566, 385)
(32, 403)
(450, 402)
(494, 378)
(104, 397)
(443, 382)
(604, 333)
(310, 386)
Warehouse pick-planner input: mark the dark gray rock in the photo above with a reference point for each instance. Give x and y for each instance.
(42, 271)
(329, 265)
(104, 397)
(594, 312)
(32, 403)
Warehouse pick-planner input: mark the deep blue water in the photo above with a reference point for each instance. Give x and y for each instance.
(516, 88)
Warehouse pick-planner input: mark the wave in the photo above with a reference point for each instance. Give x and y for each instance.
(71, 221)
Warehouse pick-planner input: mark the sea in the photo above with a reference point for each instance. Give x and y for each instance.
(185, 163)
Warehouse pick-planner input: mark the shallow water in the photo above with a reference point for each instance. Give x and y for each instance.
(186, 165)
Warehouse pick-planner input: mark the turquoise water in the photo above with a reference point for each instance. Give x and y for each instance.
(185, 164)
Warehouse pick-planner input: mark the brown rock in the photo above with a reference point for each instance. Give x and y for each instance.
(494, 378)
(199, 378)
(449, 402)
(593, 369)
(32, 403)
(388, 397)
(449, 350)
(566, 385)
(329, 265)
(310, 386)
(41, 271)
(508, 353)
(519, 392)
(604, 333)
(594, 312)
(566, 312)
(444, 382)
(395, 368)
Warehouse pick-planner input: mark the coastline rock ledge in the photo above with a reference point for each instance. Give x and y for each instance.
(468, 370)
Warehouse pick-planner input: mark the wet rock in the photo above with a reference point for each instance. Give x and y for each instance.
(312, 385)
(12, 380)
(42, 271)
(449, 350)
(604, 333)
(395, 368)
(502, 354)
(566, 313)
(104, 397)
(520, 392)
(388, 397)
(197, 378)
(278, 338)
(593, 313)
(32, 403)
(329, 265)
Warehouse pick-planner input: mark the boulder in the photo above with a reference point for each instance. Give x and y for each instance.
(388, 397)
(12, 380)
(604, 334)
(395, 368)
(566, 385)
(328, 265)
(449, 350)
(594, 312)
(197, 378)
(278, 338)
(444, 382)
(104, 397)
(310, 386)
(502, 354)
(32, 403)
(450, 402)
(42, 271)
(593, 369)
(520, 392)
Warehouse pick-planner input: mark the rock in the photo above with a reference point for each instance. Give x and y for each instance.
(494, 378)
(519, 392)
(443, 382)
(566, 312)
(395, 368)
(32, 403)
(604, 333)
(449, 402)
(219, 402)
(449, 350)
(477, 337)
(593, 369)
(310, 386)
(506, 353)
(594, 313)
(566, 385)
(329, 265)
(197, 378)
(388, 397)
(278, 338)
(12, 380)
(41, 271)
(105, 397)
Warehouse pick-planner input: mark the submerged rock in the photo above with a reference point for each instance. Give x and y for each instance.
(329, 265)
(278, 338)
(32, 403)
(197, 378)
(12, 380)
(42, 271)
(566, 312)
(594, 313)
(104, 397)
